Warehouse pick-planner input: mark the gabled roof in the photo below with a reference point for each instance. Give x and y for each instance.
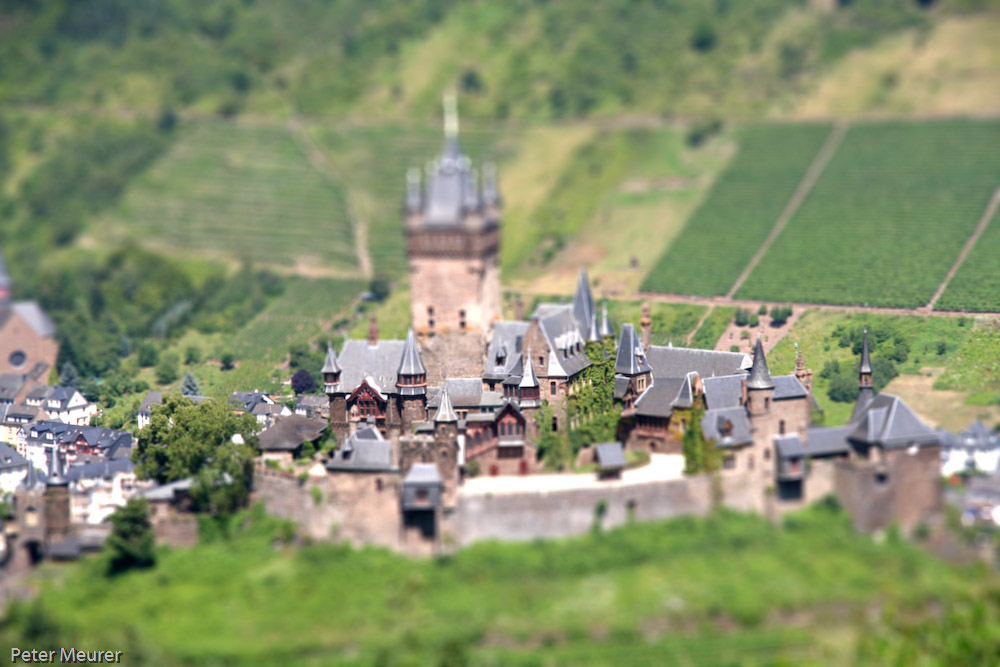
(504, 352)
(423, 474)
(289, 433)
(359, 361)
(827, 441)
(422, 487)
(728, 427)
(10, 459)
(789, 446)
(788, 386)
(760, 376)
(463, 392)
(658, 400)
(889, 422)
(723, 392)
(669, 361)
(105, 469)
(364, 451)
(445, 413)
(330, 365)
(10, 385)
(562, 334)
(152, 398)
(610, 455)
(411, 363)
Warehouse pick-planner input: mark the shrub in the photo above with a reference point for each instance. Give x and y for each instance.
(228, 360)
(131, 542)
(167, 370)
(192, 355)
(303, 382)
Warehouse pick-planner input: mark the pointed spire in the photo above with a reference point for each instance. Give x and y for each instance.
(630, 358)
(529, 379)
(866, 362)
(593, 332)
(583, 302)
(760, 376)
(411, 362)
(491, 191)
(445, 413)
(330, 365)
(57, 478)
(450, 103)
(372, 331)
(606, 331)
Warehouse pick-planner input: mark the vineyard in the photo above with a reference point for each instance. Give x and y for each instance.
(305, 312)
(976, 285)
(725, 232)
(248, 192)
(886, 219)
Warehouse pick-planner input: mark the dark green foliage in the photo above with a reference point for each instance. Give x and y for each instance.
(754, 320)
(130, 544)
(553, 446)
(702, 130)
(699, 456)
(592, 407)
(379, 288)
(844, 379)
(712, 328)
(303, 382)
(184, 439)
(762, 310)
(168, 369)
(69, 376)
(190, 386)
(192, 355)
(228, 360)
(704, 37)
(742, 317)
(149, 355)
(780, 315)
(306, 452)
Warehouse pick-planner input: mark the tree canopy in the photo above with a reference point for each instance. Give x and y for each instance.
(184, 440)
(130, 544)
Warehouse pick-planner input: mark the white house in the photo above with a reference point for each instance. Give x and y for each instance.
(977, 448)
(13, 469)
(65, 404)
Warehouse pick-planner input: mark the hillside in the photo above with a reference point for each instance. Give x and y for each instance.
(810, 592)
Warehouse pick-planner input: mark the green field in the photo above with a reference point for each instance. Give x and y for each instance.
(886, 219)
(231, 191)
(976, 285)
(665, 589)
(713, 327)
(728, 228)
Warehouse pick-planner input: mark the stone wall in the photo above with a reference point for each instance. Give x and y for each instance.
(538, 514)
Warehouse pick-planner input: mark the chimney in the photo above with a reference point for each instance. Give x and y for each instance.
(519, 309)
(372, 331)
(646, 325)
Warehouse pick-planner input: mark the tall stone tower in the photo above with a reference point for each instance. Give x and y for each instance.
(453, 240)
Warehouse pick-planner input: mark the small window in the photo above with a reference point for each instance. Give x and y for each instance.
(767, 454)
(781, 427)
(881, 478)
(378, 483)
(767, 403)
(541, 361)
(555, 424)
(552, 388)
(430, 311)
(729, 461)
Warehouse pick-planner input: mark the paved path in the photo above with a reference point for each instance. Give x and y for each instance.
(991, 209)
(808, 181)
(661, 467)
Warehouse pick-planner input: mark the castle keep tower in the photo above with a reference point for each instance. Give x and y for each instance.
(453, 241)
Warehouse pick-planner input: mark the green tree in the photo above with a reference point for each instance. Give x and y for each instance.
(184, 440)
(192, 355)
(130, 544)
(148, 354)
(190, 386)
(167, 370)
(69, 377)
(228, 360)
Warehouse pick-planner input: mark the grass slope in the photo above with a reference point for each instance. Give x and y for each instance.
(886, 219)
(235, 191)
(742, 207)
(621, 594)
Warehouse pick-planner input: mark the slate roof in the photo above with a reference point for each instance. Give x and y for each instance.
(866, 362)
(168, 492)
(10, 385)
(723, 392)
(10, 459)
(669, 361)
(630, 359)
(422, 477)
(977, 436)
(865, 396)
(423, 474)
(530, 379)
(788, 386)
(289, 433)
(605, 329)
(760, 375)
(610, 456)
(363, 451)
(152, 398)
(889, 422)
(659, 399)
(583, 303)
(36, 318)
(713, 426)
(330, 365)
(380, 363)
(452, 189)
(505, 344)
(621, 386)
(445, 412)
(824, 441)
(463, 392)
(411, 363)
(109, 442)
(562, 334)
(99, 469)
(789, 446)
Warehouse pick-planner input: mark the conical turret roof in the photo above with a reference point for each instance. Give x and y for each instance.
(593, 332)
(583, 302)
(411, 362)
(605, 329)
(57, 478)
(760, 376)
(630, 358)
(445, 413)
(529, 379)
(866, 362)
(330, 365)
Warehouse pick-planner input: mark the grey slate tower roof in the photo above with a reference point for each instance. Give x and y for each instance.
(411, 362)
(866, 362)
(760, 376)
(630, 359)
(330, 365)
(605, 329)
(583, 302)
(866, 394)
(529, 379)
(445, 413)
(57, 478)
(594, 332)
